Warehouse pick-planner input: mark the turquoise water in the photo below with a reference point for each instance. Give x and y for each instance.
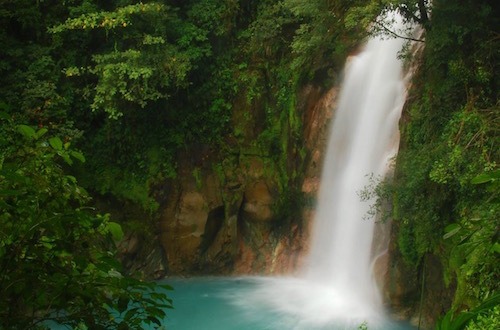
(220, 304)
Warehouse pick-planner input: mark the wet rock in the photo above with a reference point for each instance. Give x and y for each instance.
(224, 219)
(257, 202)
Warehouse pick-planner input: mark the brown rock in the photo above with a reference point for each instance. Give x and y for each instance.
(257, 202)
(193, 213)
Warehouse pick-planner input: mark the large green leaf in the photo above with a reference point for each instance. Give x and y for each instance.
(451, 230)
(496, 248)
(26, 131)
(116, 230)
(56, 143)
(78, 155)
(41, 132)
(486, 177)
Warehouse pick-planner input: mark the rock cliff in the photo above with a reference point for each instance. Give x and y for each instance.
(224, 214)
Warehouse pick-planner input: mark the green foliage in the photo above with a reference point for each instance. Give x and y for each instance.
(484, 314)
(321, 28)
(363, 326)
(146, 71)
(490, 319)
(131, 84)
(309, 35)
(158, 76)
(121, 17)
(465, 212)
(56, 255)
(216, 17)
(475, 245)
(445, 192)
(139, 64)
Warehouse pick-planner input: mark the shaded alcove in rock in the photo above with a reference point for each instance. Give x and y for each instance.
(214, 223)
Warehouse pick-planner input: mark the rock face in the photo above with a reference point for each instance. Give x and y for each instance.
(415, 293)
(257, 203)
(223, 216)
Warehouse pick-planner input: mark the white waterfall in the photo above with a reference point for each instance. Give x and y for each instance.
(335, 289)
(364, 138)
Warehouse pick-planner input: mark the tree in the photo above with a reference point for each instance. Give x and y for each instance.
(57, 259)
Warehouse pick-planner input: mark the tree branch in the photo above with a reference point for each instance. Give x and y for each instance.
(397, 35)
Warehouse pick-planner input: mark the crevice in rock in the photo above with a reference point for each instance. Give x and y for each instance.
(214, 223)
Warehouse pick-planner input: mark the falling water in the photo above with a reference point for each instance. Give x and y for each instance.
(364, 138)
(335, 288)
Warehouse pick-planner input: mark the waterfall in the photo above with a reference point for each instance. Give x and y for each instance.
(364, 138)
(335, 288)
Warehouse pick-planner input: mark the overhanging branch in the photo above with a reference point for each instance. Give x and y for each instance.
(386, 29)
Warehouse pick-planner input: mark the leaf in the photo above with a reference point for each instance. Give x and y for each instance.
(78, 155)
(56, 143)
(116, 230)
(481, 178)
(114, 273)
(47, 242)
(154, 320)
(490, 302)
(27, 131)
(451, 230)
(41, 132)
(461, 320)
(166, 286)
(63, 254)
(444, 323)
(66, 158)
(130, 314)
(486, 177)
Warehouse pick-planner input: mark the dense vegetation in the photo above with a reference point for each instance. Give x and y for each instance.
(56, 255)
(129, 84)
(446, 197)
